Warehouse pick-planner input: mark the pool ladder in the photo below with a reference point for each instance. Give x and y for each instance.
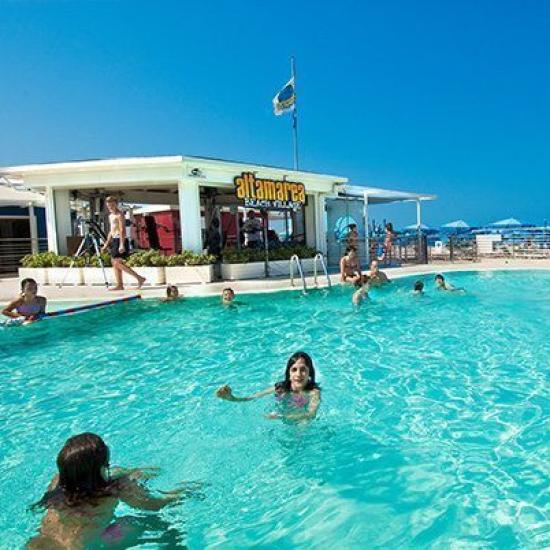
(296, 260)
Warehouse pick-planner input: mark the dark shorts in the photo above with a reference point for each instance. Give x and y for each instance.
(114, 253)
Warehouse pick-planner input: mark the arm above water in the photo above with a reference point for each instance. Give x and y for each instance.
(225, 392)
(8, 311)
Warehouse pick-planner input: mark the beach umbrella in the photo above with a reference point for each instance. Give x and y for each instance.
(413, 226)
(508, 222)
(458, 224)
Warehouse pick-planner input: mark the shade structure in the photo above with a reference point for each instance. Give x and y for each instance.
(413, 226)
(13, 197)
(508, 222)
(457, 224)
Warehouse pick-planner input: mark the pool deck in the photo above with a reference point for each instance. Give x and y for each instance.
(9, 287)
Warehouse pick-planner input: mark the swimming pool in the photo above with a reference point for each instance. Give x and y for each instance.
(431, 431)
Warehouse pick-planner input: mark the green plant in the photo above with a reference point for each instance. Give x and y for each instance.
(147, 258)
(246, 255)
(51, 259)
(187, 258)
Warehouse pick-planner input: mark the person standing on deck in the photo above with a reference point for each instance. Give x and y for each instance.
(118, 244)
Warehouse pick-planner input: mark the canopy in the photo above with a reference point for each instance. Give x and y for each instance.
(414, 227)
(13, 197)
(458, 224)
(508, 222)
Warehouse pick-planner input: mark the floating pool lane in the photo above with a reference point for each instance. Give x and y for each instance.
(78, 309)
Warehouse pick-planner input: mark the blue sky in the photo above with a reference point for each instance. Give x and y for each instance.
(451, 98)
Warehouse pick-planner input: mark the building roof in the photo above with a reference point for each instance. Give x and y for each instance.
(14, 197)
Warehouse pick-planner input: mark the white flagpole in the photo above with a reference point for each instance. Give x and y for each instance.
(294, 115)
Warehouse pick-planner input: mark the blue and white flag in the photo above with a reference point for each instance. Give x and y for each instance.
(285, 100)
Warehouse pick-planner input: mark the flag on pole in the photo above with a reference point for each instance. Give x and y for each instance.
(285, 100)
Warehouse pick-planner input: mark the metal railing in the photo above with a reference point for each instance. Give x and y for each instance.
(12, 250)
(296, 260)
(321, 259)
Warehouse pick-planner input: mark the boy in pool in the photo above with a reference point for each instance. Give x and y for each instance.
(442, 284)
(298, 394)
(81, 500)
(228, 295)
(172, 294)
(362, 291)
(28, 307)
(418, 289)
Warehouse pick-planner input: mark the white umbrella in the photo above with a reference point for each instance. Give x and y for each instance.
(508, 222)
(422, 226)
(458, 224)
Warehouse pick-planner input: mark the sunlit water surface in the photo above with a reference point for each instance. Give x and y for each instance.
(432, 430)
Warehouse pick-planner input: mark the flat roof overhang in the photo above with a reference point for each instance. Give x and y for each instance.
(152, 171)
(377, 195)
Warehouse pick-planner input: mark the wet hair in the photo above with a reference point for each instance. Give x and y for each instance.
(80, 463)
(284, 386)
(419, 285)
(24, 282)
(228, 289)
(440, 277)
(172, 291)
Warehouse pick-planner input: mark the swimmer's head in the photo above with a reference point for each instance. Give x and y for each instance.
(418, 286)
(29, 286)
(227, 295)
(439, 280)
(83, 464)
(172, 291)
(299, 372)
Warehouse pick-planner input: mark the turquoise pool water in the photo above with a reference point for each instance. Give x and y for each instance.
(432, 431)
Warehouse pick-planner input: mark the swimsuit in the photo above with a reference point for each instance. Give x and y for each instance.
(28, 310)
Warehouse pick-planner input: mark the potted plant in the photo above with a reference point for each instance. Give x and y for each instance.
(36, 267)
(60, 271)
(189, 267)
(149, 264)
(250, 263)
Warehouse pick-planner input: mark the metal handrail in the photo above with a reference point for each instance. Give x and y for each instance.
(319, 257)
(296, 259)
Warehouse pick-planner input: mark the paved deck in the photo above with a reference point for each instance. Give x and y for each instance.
(9, 287)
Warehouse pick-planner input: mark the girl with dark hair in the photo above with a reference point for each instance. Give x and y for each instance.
(28, 306)
(81, 500)
(388, 243)
(298, 394)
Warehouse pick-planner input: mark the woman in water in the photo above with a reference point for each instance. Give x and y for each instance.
(350, 272)
(298, 394)
(81, 500)
(442, 284)
(28, 305)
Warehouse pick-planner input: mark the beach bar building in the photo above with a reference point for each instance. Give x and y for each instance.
(293, 202)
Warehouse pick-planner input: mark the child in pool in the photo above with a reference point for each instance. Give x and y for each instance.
(28, 306)
(228, 295)
(362, 292)
(418, 289)
(81, 500)
(442, 284)
(172, 294)
(298, 393)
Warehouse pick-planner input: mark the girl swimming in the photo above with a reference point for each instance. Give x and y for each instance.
(81, 500)
(298, 395)
(28, 306)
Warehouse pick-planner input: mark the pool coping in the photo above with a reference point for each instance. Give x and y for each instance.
(9, 287)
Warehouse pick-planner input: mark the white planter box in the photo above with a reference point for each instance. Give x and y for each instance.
(256, 270)
(94, 276)
(153, 275)
(39, 274)
(58, 275)
(189, 274)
